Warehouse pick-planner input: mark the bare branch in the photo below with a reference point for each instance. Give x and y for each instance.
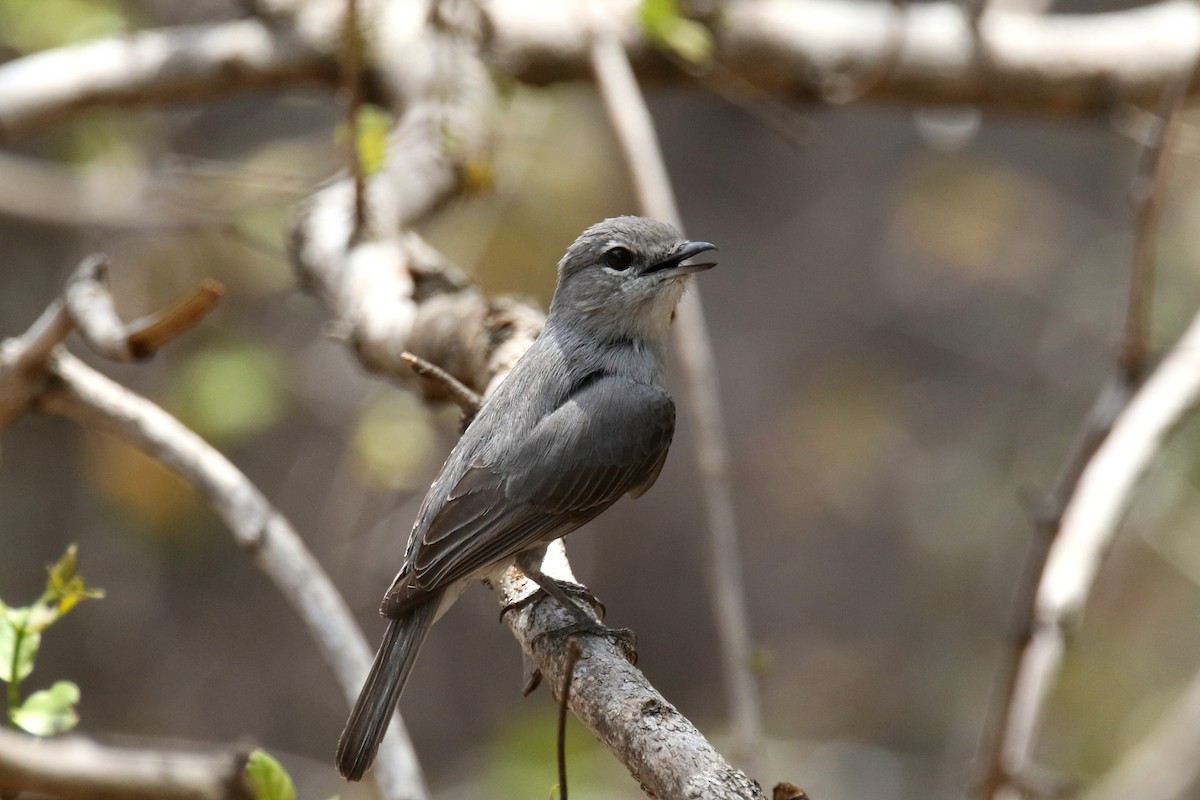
(79, 392)
(997, 741)
(77, 768)
(1088, 526)
(1147, 191)
(442, 381)
(1009, 744)
(662, 750)
(155, 67)
(91, 308)
(22, 361)
(1055, 64)
(635, 130)
(148, 334)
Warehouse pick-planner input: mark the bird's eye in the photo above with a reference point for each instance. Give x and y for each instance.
(618, 258)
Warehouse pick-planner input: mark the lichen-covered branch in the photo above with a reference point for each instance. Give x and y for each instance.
(662, 750)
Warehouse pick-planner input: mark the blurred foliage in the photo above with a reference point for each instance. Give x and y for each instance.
(230, 391)
(394, 440)
(522, 759)
(666, 27)
(374, 124)
(267, 778)
(141, 487)
(31, 25)
(49, 711)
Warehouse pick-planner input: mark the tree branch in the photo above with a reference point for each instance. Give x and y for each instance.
(77, 768)
(662, 750)
(1050, 65)
(1008, 745)
(1089, 523)
(635, 130)
(154, 67)
(79, 392)
(1053, 65)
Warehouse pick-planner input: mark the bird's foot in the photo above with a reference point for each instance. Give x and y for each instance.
(566, 587)
(623, 638)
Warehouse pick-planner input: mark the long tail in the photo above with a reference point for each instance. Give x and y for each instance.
(373, 711)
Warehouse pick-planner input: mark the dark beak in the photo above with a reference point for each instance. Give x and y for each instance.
(678, 264)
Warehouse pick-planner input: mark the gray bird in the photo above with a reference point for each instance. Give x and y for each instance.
(581, 420)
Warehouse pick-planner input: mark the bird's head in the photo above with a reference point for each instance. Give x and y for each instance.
(622, 278)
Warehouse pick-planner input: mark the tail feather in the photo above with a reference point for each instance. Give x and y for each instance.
(372, 712)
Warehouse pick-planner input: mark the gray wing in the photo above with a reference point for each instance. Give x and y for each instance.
(609, 438)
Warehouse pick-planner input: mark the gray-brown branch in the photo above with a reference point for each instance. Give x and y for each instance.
(1050, 65)
(76, 768)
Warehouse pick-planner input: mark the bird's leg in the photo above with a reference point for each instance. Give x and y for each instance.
(562, 591)
(584, 623)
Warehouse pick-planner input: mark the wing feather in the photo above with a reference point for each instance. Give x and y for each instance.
(607, 439)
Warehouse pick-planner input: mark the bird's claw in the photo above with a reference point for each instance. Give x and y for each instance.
(624, 638)
(568, 588)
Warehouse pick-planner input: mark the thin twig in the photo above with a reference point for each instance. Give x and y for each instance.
(1048, 517)
(352, 58)
(574, 651)
(635, 130)
(79, 769)
(1040, 638)
(663, 751)
(147, 335)
(79, 392)
(93, 311)
(462, 396)
(1147, 191)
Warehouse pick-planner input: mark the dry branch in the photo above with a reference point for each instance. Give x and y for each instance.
(77, 391)
(1089, 523)
(635, 130)
(394, 297)
(1053, 65)
(76, 768)
(1041, 64)
(156, 67)
(662, 750)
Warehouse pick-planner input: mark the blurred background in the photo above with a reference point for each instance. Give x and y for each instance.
(913, 311)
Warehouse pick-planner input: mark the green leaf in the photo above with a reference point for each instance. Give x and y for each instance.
(65, 588)
(267, 778)
(373, 126)
(12, 636)
(665, 27)
(49, 711)
(29, 25)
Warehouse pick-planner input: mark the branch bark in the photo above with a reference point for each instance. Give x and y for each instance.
(1054, 65)
(1089, 523)
(1049, 65)
(77, 391)
(662, 750)
(635, 130)
(155, 67)
(75, 767)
